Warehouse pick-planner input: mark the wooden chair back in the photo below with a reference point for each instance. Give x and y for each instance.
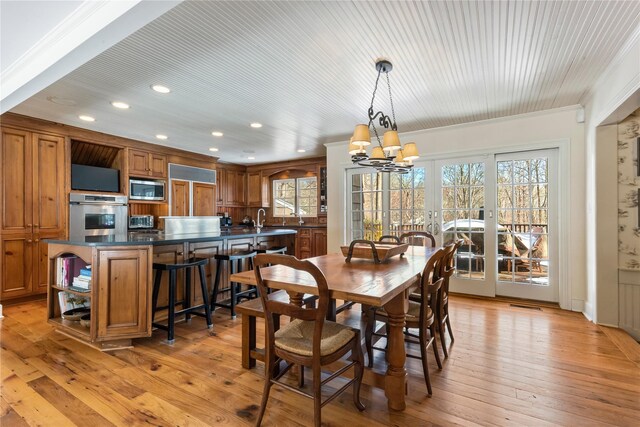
(273, 307)
(430, 284)
(412, 237)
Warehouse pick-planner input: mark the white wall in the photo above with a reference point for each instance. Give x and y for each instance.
(612, 98)
(554, 127)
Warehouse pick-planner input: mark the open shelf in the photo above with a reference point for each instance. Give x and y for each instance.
(72, 326)
(71, 291)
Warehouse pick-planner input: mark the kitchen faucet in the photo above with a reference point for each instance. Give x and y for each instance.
(300, 221)
(259, 225)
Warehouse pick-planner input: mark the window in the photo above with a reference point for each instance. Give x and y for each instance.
(295, 196)
(386, 203)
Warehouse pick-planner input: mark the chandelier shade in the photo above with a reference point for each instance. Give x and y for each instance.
(388, 155)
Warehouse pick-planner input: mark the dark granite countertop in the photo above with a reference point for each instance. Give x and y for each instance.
(156, 239)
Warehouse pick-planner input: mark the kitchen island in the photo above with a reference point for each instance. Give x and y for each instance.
(119, 295)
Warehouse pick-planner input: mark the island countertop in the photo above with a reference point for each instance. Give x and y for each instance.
(135, 238)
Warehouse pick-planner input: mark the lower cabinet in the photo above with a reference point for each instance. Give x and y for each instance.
(23, 265)
(119, 298)
(311, 242)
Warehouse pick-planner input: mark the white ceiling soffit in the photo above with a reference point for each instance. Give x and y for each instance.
(306, 69)
(44, 40)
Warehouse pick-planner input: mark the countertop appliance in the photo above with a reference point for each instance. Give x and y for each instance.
(141, 222)
(96, 215)
(146, 190)
(225, 221)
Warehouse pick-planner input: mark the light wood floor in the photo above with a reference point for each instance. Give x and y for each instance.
(508, 366)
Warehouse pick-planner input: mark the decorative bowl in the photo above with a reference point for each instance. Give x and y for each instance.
(76, 313)
(86, 320)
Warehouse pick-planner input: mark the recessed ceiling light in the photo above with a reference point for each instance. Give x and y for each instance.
(214, 149)
(216, 133)
(161, 89)
(301, 151)
(160, 136)
(251, 158)
(256, 125)
(86, 118)
(122, 105)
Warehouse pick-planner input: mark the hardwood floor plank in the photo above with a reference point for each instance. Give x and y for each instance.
(508, 366)
(622, 340)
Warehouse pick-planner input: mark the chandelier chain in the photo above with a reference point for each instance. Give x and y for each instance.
(393, 111)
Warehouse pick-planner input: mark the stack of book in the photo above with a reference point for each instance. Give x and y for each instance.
(82, 283)
(64, 269)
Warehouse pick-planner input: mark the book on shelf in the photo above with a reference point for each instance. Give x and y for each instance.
(86, 271)
(81, 283)
(64, 270)
(79, 289)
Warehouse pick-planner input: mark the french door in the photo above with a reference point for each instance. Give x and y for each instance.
(501, 206)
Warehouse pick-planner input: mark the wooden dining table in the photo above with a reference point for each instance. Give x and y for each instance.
(387, 285)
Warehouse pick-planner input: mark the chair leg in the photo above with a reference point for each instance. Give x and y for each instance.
(368, 335)
(186, 301)
(441, 333)
(446, 311)
(432, 331)
(300, 376)
(267, 388)
(173, 278)
(357, 356)
(317, 396)
(425, 364)
(156, 291)
(205, 295)
(216, 286)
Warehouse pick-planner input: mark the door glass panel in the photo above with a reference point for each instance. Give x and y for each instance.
(462, 208)
(523, 221)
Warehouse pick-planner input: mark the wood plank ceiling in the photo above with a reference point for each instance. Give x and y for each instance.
(306, 69)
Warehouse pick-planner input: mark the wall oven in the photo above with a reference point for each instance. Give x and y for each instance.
(96, 215)
(146, 190)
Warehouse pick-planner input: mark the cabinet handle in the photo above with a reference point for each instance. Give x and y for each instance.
(29, 241)
(29, 225)
(179, 253)
(36, 225)
(37, 240)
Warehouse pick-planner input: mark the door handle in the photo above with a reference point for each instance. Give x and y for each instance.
(436, 229)
(429, 227)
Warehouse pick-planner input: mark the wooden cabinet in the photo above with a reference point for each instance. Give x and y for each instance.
(319, 241)
(121, 304)
(204, 196)
(257, 190)
(232, 187)
(32, 189)
(32, 170)
(180, 197)
(119, 297)
(144, 163)
(311, 242)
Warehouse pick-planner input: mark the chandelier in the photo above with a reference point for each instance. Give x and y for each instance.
(388, 155)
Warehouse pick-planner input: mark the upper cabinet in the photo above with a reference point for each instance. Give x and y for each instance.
(257, 190)
(144, 163)
(32, 168)
(230, 187)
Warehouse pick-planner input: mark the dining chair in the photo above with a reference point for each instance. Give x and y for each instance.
(446, 269)
(421, 316)
(307, 340)
(389, 238)
(418, 238)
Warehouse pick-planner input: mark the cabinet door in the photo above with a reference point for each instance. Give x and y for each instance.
(16, 266)
(319, 240)
(204, 199)
(206, 250)
(303, 244)
(123, 293)
(138, 163)
(221, 180)
(179, 198)
(16, 186)
(235, 188)
(157, 165)
(254, 190)
(49, 204)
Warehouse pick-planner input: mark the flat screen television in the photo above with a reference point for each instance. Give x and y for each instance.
(93, 178)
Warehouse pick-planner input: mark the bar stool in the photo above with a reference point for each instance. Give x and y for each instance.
(187, 310)
(236, 261)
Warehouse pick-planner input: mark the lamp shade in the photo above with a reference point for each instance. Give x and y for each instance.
(377, 154)
(354, 149)
(361, 135)
(390, 141)
(410, 151)
(399, 160)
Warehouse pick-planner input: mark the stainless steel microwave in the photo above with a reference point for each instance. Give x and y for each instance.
(146, 190)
